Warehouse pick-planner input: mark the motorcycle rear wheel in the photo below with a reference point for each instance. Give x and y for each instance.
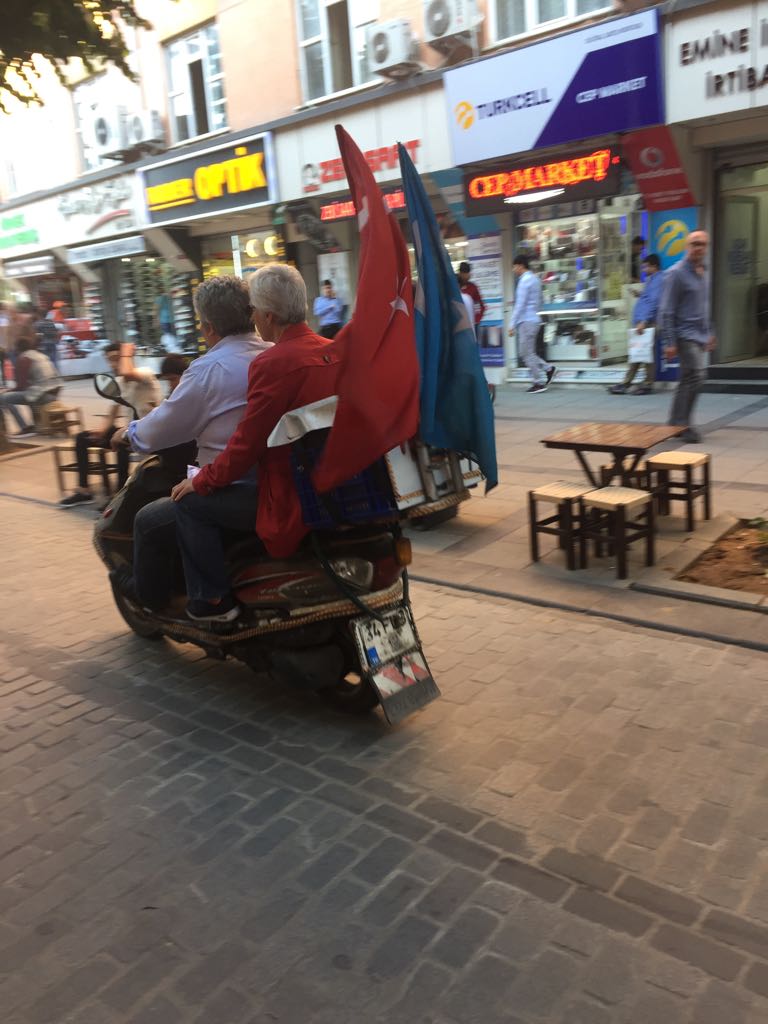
(141, 626)
(353, 693)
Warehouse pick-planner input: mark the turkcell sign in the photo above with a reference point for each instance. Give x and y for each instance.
(599, 80)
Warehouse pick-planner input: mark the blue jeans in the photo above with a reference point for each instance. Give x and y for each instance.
(10, 401)
(199, 522)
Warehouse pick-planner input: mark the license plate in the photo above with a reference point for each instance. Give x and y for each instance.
(392, 657)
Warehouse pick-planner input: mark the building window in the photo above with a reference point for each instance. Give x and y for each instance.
(196, 79)
(332, 44)
(516, 17)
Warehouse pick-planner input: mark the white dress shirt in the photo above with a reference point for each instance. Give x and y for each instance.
(527, 299)
(208, 403)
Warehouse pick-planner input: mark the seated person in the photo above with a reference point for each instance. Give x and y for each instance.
(139, 387)
(36, 383)
(205, 407)
(301, 368)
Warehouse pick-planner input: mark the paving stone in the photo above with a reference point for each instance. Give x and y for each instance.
(735, 931)
(465, 851)
(592, 871)
(659, 900)
(511, 840)
(715, 960)
(541, 987)
(443, 900)
(608, 912)
(706, 824)
(484, 988)
(397, 954)
(392, 899)
(531, 879)
(756, 979)
(466, 937)
(448, 813)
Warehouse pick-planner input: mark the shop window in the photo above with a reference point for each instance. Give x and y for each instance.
(196, 84)
(516, 17)
(332, 44)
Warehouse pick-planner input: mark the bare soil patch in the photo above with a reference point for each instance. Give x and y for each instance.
(738, 561)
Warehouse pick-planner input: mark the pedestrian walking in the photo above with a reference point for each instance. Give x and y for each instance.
(644, 317)
(686, 329)
(525, 323)
(470, 288)
(329, 310)
(47, 337)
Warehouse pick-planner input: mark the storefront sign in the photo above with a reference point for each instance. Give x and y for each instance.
(344, 209)
(573, 176)
(307, 153)
(717, 63)
(328, 171)
(605, 78)
(14, 232)
(30, 268)
(130, 246)
(656, 167)
(484, 255)
(214, 181)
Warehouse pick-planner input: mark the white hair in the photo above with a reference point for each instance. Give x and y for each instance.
(279, 289)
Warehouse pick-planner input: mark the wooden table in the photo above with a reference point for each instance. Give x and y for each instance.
(621, 440)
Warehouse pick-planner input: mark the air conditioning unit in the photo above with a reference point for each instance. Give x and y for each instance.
(144, 129)
(450, 25)
(392, 49)
(107, 132)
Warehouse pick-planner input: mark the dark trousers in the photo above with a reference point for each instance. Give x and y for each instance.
(94, 439)
(650, 374)
(156, 561)
(199, 522)
(693, 377)
(330, 330)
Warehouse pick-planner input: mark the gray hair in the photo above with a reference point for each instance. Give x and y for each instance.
(224, 303)
(279, 289)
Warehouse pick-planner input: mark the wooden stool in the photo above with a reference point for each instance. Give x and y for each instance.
(638, 478)
(58, 418)
(607, 520)
(65, 461)
(666, 489)
(564, 524)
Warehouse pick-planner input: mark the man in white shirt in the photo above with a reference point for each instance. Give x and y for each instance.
(206, 407)
(526, 321)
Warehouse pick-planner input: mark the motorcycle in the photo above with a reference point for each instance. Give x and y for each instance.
(334, 619)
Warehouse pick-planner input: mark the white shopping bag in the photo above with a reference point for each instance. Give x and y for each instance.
(641, 346)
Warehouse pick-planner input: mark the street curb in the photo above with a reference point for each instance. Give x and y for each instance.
(703, 595)
(627, 620)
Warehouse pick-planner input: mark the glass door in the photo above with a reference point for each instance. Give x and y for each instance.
(741, 263)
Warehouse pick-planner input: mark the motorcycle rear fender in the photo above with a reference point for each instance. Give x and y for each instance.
(312, 669)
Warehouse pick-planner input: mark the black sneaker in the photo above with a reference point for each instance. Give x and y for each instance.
(551, 374)
(690, 436)
(617, 389)
(227, 610)
(28, 432)
(536, 388)
(76, 499)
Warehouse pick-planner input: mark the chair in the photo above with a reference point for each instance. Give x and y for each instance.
(668, 489)
(564, 524)
(58, 418)
(100, 463)
(603, 516)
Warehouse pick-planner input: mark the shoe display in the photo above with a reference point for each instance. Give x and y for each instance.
(76, 499)
(227, 610)
(536, 388)
(551, 374)
(617, 389)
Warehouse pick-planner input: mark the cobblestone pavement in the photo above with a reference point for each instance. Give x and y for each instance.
(575, 833)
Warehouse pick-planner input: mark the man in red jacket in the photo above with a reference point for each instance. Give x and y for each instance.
(470, 288)
(301, 368)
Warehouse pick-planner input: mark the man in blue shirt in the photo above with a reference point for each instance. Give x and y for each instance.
(644, 316)
(526, 321)
(329, 310)
(685, 326)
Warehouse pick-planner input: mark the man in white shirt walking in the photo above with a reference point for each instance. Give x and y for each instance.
(526, 321)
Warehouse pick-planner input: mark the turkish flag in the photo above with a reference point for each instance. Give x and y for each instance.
(378, 385)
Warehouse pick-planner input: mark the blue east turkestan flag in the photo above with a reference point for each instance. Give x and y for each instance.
(455, 407)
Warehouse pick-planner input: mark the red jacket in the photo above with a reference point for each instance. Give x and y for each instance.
(301, 368)
(471, 289)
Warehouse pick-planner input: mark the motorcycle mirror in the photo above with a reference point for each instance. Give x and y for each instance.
(108, 387)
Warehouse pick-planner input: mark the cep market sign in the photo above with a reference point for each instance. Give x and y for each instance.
(234, 177)
(603, 79)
